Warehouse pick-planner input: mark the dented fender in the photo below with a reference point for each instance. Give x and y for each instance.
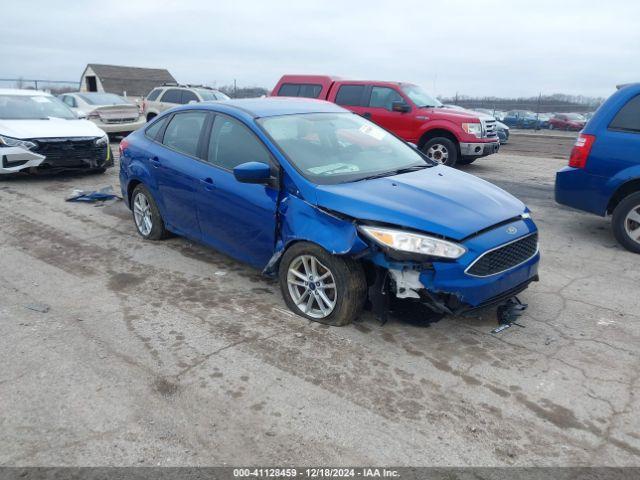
(299, 220)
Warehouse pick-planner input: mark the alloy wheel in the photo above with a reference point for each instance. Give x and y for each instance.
(312, 286)
(438, 153)
(142, 214)
(632, 224)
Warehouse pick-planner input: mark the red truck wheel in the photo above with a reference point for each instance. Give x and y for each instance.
(441, 150)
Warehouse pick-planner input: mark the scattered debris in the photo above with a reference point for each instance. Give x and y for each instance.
(508, 313)
(220, 273)
(37, 307)
(100, 195)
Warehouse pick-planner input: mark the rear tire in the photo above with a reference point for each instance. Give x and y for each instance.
(441, 150)
(146, 215)
(626, 222)
(312, 296)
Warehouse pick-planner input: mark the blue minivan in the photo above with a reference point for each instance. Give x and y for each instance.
(341, 210)
(603, 176)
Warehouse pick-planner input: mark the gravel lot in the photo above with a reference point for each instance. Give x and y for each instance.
(542, 143)
(172, 354)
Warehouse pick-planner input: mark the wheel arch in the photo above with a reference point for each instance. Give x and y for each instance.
(438, 132)
(623, 191)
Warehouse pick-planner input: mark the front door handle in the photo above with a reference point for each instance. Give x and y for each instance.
(366, 115)
(155, 161)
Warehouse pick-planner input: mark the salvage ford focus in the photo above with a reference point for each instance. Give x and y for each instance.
(38, 132)
(339, 209)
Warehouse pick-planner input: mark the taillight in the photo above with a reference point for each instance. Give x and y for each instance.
(144, 106)
(581, 150)
(93, 115)
(123, 144)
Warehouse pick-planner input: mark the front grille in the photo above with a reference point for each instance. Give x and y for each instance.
(490, 128)
(505, 257)
(71, 152)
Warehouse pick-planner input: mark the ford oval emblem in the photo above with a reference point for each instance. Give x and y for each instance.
(512, 230)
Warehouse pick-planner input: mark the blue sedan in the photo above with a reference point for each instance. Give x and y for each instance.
(338, 208)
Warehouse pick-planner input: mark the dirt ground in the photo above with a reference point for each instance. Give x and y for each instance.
(543, 143)
(118, 351)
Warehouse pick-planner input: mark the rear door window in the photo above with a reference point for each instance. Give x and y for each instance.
(628, 118)
(183, 132)
(188, 96)
(153, 130)
(350, 95)
(173, 95)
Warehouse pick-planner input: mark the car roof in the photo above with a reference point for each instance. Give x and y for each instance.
(26, 93)
(274, 106)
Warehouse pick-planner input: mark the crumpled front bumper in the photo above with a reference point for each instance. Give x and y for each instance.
(447, 287)
(472, 291)
(15, 159)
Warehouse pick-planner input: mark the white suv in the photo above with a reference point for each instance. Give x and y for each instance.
(168, 96)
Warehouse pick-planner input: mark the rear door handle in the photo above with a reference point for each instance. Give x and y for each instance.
(366, 115)
(208, 183)
(155, 161)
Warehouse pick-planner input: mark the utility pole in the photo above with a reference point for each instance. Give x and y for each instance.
(538, 111)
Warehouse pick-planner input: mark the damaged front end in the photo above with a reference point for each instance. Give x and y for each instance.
(488, 269)
(494, 268)
(55, 154)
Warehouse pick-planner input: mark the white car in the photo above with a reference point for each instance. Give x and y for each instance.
(110, 112)
(38, 132)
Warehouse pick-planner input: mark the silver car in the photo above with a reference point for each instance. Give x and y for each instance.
(168, 96)
(112, 113)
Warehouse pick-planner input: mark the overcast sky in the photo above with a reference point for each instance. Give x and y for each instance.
(499, 48)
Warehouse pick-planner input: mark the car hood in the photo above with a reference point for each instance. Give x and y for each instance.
(453, 114)
(52, 128)
(438, 200)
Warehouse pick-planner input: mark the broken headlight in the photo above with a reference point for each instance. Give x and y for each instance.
(15, 142)
(413, 242)
(102, 141)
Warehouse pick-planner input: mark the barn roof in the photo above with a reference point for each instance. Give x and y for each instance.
(136, 81)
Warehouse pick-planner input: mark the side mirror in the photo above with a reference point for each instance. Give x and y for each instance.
(191, 102)
(401, 107)
(80, 115)
(253, 172)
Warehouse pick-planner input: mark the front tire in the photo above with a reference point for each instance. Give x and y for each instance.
(146, 215)
(626, 222)
(320, 286)
(441, 150)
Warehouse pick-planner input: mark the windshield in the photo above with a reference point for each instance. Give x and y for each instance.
(36, 107)
(330, 148)
(420, 97)
(208, 95)
(103, 99)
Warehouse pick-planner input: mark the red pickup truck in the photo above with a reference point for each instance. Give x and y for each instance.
(445, 135)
